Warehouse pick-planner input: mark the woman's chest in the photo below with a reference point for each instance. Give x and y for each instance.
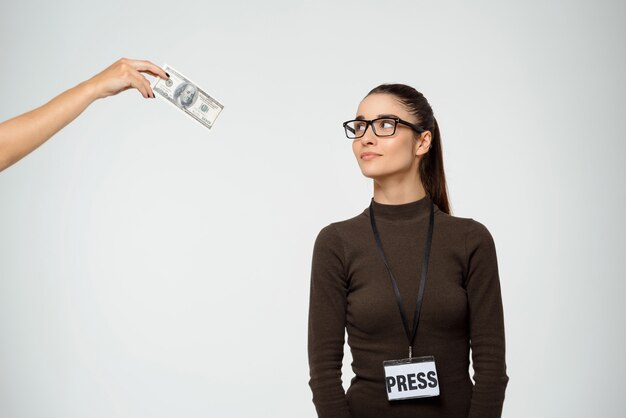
(372, 304)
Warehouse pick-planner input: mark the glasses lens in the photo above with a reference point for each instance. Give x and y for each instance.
(384, 127)
(355, 128)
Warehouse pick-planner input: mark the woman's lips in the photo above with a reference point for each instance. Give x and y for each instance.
(369, 156)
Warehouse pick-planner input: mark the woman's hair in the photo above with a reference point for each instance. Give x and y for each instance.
(431, 165)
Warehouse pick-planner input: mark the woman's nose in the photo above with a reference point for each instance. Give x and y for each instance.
(369, 137)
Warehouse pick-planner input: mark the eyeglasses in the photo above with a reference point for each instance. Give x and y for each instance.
(381, 127)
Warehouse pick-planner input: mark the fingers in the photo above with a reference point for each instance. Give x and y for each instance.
(142, 84)
(148, 67)
(125, 74)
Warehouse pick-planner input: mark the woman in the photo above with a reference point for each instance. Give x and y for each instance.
(22, 134)
(367, 271)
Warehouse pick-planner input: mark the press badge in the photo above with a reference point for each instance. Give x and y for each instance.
(411, 378)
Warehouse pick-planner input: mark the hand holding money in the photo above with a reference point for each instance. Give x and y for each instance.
(186, 96)
(125, 74)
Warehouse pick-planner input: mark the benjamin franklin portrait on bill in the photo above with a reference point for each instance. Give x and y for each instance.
(185, 95)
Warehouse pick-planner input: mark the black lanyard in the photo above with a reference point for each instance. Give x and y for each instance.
(420, 294)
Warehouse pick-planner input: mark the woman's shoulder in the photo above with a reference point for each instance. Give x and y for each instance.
(465, 223)
(337, 231)
(470, 229)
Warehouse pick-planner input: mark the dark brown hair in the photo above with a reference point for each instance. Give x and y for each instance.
(431, 165)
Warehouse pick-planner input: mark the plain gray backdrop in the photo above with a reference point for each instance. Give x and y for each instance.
(152, 268)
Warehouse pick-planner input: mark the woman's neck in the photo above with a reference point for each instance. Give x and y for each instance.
(394, 191)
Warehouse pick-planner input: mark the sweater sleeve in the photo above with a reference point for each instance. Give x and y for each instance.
(327, 324)
(486, 322)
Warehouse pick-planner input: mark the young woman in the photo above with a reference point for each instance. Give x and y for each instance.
(406, 280)
(24, 133)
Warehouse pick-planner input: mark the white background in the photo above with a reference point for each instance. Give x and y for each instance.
(151, 268)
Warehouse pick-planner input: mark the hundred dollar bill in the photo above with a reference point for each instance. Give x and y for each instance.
(188, 97)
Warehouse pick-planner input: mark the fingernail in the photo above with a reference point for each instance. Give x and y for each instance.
(168, 76)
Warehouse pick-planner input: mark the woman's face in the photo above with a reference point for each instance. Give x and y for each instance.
(392, 155)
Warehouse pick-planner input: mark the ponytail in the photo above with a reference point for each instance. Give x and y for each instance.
(432, 173)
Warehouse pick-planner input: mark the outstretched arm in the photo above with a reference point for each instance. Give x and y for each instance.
(24, 133)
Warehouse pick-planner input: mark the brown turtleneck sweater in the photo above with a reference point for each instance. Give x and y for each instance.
(462, 308)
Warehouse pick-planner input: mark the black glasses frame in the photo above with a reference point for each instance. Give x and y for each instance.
(416, 128)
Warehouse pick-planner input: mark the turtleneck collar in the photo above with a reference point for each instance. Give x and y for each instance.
(411, 211)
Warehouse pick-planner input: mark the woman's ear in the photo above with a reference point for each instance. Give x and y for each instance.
(425, 142)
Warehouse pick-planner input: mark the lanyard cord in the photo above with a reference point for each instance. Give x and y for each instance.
(410, 335)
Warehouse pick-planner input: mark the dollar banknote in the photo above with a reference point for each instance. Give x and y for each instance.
(186, 96)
